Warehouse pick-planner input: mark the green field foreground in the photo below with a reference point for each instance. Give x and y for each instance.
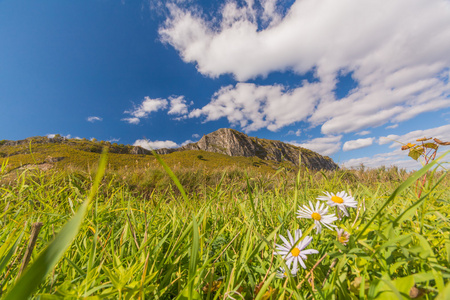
(104, 239)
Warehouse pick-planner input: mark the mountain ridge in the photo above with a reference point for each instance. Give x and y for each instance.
(226, 141)
(235, 143)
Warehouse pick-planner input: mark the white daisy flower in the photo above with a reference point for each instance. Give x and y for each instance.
(293, 251)
(342, 236)
(318, 214)
(341, 200)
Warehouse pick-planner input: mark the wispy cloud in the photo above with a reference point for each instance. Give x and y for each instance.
(298, 132)
(357, 144)
(388, 159)
(324, 145)
(397, 157)
(400, 71)
(442, 133)
(365, 132)
(388, 139)
(392, 126)
(134, 121)
(93, 119)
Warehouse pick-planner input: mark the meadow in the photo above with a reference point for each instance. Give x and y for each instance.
(109, 234)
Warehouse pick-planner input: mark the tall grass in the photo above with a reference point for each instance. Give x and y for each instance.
(217, 240)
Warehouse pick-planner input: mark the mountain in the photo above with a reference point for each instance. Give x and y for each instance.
(217, 150)
(234, 143)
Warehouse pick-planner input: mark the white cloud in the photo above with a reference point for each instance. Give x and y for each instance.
(187, 142)
(389, 159)
(196, 136)
(357, 144)
(397, 52)
(442, 133)
(328, 34)
(392, 126)
(92, 119)
(297, 133)
(132, 120)
(365, 132)
(398, 157)
(388, 139)
(68, 136)
(146, 144)
(178, 106)
(254, 107)
(147, 106)
(324, 145)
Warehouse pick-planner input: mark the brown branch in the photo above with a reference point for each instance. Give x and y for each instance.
(35, 228)
(441, 142)
(329, 271)
(310, 272)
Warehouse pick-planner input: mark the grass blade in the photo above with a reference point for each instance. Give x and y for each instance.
(172, 176)
(7, 257)
(49, 257)
(401, 188)
(193, 260)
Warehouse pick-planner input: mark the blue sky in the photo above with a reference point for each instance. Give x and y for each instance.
(339, 77)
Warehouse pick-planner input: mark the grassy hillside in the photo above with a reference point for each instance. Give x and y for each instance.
(83, 154)
(219, 242)
(139, 236)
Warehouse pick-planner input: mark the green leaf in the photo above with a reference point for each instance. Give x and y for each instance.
(447, 246)
(265, 286)
(431, 145)
(48, 258)
(186, 295)
(443, 294)
(415, 153)
(404, 284)
(193, 258)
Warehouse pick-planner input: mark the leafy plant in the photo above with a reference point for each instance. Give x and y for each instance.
(427, 149)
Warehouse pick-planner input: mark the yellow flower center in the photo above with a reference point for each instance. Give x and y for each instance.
(295, 252)
(342, 239)
(316, 216)
(337, 199)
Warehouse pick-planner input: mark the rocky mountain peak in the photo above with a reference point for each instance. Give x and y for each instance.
(234, 143)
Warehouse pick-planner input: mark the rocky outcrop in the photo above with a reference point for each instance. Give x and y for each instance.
(234, 143)
(225, 141)
(139, 150)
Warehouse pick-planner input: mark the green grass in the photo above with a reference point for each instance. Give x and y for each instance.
(213, 235)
